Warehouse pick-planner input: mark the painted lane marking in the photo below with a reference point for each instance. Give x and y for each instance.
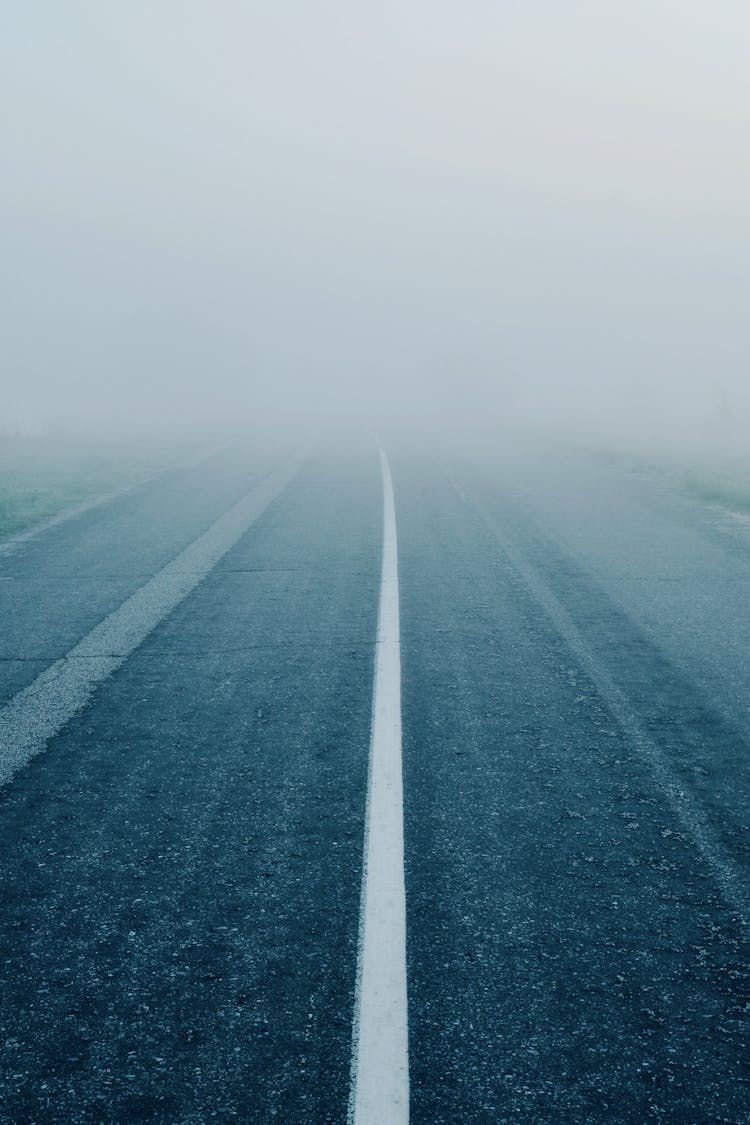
(9, 544)
(39, 711)
(379, 1091)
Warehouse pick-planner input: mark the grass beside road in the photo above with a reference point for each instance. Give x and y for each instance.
(43, 476)
(730, 490)
(722, 482)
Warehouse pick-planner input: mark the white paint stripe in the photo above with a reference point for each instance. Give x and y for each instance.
(9, 544)
(39, 711)
(379, 1092)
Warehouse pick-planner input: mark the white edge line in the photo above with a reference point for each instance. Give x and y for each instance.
(379, 1085)
(36, 713)
(10, 543)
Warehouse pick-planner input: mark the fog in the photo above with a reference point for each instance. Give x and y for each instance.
(481, 214)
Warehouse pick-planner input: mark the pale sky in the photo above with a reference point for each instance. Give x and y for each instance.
(535, 207)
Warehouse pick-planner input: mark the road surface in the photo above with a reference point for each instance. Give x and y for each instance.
(196, 852)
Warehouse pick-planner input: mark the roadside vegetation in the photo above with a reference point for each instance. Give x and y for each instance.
(42, 476)
(730, 490)
(722, 481)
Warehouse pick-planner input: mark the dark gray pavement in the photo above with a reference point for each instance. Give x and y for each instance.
(570, 956)
(56, 586)
(181, 875)
(181, 869)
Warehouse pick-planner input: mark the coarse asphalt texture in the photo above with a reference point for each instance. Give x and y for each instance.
(182, 865)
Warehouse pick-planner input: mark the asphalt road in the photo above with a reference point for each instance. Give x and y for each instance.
(183, 860)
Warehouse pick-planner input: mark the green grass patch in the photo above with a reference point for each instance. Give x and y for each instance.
(710, 479)
(42, 477)
(731, 490)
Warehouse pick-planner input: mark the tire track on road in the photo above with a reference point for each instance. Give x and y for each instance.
(726, 873)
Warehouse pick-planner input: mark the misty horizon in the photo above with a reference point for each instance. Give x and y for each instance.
(489, 216)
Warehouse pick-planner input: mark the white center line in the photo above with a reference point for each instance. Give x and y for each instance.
(379, 1093)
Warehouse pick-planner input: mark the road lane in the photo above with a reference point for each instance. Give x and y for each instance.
(570, 956)
(59, 584)
(695, 820)
(33, 716)
(677, 567)
(181, 881)
(658, 587)
(181, 873)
